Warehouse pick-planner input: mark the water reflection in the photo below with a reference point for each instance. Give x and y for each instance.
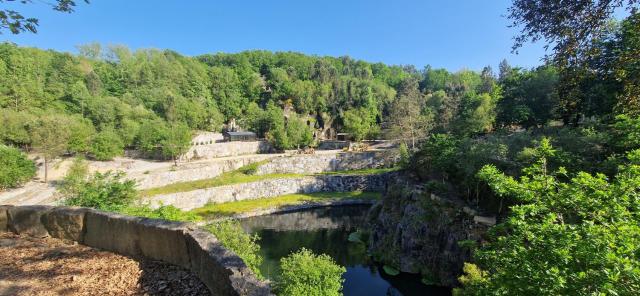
(325, 230)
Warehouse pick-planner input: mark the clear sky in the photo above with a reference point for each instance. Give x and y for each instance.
(450, 34)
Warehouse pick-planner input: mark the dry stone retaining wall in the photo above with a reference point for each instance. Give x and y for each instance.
(318, 163)
(182, 244)
(195, 171)
(270, 188)
(225, 149)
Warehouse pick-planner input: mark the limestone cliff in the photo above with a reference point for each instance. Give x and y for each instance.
(418, 232)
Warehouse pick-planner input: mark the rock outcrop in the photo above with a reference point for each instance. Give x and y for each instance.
(418, 232)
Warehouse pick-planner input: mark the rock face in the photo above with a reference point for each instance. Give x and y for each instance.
(270, 188)
(418, 232)
(318, 163)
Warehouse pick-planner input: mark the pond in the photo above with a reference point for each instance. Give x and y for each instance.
(325, 230)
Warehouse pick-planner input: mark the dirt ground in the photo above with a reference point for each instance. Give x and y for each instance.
(34, 266)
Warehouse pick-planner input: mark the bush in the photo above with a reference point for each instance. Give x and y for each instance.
(106, 145)
(233, 237)
(163, 212)
(304, 273)
(15, 167)
(75, 178)
(105, 191)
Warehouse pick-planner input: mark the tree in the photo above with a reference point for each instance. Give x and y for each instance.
(575, 29)
(407, 120)
(359, 123)
(50, 137)
(304, 273)
(106, 145)
(16, 23)
(576, 237)
(15, 167)
(176, 142)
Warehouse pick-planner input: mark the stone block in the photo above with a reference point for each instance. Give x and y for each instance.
(113, 232)
(3, 218)
(487, 221)
(164, 240)
(27, 220)
(66, 223)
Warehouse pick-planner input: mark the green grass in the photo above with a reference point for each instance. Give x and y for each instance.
(238, 207)
(363, 172)
(245, 174)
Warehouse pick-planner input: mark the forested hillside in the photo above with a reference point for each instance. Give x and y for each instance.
(132, 97)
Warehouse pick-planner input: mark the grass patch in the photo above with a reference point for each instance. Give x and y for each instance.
(244, 174)
(362, 172)
(238, 207)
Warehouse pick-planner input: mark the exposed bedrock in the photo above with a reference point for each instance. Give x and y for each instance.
(418, 232)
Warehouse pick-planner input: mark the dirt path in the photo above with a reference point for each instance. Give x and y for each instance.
(34, 266)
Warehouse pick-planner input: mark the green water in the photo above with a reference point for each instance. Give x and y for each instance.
(325, 230)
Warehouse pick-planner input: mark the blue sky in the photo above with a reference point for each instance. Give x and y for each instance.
(450, 34)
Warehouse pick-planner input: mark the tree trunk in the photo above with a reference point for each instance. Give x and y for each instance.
(46, 169)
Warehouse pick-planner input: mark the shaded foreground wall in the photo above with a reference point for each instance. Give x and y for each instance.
(182, 244)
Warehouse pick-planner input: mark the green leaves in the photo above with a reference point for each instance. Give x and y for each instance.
(15, 167)
(305, 273)
(105, 191)
(579, 237)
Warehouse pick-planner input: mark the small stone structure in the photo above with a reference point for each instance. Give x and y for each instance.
(182, 244)
(318, 163)
(270, 188)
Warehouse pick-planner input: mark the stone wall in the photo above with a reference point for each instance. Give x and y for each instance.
(325, 162)
(186, 172)
(270, 188)
(182, 244)
(224, 149)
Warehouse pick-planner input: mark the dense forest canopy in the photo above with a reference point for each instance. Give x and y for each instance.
(114, 90)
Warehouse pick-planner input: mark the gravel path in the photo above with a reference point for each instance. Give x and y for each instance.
(35, 266)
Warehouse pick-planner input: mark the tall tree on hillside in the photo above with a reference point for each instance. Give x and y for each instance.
(50, 136)
(176, 142)
(16, 23)
(407, 121)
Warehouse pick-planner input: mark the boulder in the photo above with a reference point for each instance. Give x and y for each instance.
(66, 223)
(28, 220)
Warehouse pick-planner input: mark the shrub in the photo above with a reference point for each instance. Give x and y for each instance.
(15, 167)
(106, 145)
(163, 212)
(233, 237)
(75, 178)
(304, 273)
(105, 191)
